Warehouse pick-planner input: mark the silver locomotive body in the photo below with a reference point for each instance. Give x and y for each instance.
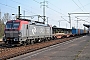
(27, 32)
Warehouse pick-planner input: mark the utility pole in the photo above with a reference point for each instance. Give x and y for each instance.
(77, 23)
(44, 5)
(60, 22)
(24, 14)
(69, 20)
(80, 20)
(47, 20)
(18, 12)
(18, 15)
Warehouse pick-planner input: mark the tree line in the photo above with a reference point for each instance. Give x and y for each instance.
(6, 17)
(2, 25)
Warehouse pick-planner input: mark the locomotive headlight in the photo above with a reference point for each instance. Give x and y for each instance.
(15, 39)
(19, 35)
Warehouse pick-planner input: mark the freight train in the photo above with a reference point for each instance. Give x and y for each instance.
(24, 31)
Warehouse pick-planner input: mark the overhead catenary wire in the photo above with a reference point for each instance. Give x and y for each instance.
(56, 11)
(8, 6)
(56, 7)
(81, 7)
(36, 1)
(26, 5)
(77, 5)
(81, 4)
(25, 9)
(12, 8)
(52, 9)
(23, 4)
(62, 14)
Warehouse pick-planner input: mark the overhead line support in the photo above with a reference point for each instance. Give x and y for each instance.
(44, 9)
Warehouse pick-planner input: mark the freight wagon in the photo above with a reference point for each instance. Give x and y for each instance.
(79, 31)
(74, 31)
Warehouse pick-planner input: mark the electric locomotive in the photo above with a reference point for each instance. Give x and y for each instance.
(24, 31)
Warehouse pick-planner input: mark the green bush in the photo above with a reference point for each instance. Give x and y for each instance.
(1, 29)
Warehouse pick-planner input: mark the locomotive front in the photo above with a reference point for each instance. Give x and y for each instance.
(11, 32)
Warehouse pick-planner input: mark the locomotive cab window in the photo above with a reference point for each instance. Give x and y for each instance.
(14, 25)
(8, 25)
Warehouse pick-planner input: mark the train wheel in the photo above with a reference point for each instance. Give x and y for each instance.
(5, 42)
(27, 41)
(24, 43)
(44, 40)
(40, 40)
(32, 42)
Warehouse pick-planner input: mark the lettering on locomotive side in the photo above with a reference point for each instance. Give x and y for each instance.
(34, 30)
(41, 30)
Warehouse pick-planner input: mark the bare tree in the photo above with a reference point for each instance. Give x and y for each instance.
(6, 17)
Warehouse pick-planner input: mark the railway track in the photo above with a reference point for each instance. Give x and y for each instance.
(7, 53)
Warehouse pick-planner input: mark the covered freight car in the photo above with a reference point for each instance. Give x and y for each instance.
(79, 31)
(74, 31)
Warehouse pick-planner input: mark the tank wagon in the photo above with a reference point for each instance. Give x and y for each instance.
(23, 31)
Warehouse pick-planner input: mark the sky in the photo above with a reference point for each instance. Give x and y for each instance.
(55, 10)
